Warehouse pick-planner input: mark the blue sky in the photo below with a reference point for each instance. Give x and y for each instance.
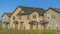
(10, 5)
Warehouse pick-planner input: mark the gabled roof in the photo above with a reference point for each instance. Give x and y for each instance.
(8, 14)
(29, 10)
(55, 9)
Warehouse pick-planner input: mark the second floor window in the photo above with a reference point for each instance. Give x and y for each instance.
(13, 17)
(34, 16)
(20, 17)
(27, 16)
(5, 18)
(51, 16)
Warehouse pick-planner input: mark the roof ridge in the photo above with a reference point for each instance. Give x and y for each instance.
(30, 7)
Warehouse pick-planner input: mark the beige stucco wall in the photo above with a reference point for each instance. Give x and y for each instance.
(52, 22)
(38, 19)
(16, 18)
(5, 18)
(24, 19)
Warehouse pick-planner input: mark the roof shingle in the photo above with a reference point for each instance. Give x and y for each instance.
(55, 9)
(29, 10)
(8, 14)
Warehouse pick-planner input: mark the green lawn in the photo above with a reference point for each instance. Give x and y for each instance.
(29, 31)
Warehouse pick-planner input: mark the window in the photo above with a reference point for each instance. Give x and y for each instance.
(5, 18)
(51, 16)
(27, 16)
(13, 17)
(34, 16)
(48, 17)
(20, 17)
(48, 26)
(54, 16)
(22, 11)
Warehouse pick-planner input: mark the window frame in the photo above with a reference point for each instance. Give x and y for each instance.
(34, 16)
(28, 17)
(13, 17)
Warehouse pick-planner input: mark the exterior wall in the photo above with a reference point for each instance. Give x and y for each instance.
(5, 18)
(52, 22)
(16, 18)
(39, 18)
(24, 19)
(26, 22)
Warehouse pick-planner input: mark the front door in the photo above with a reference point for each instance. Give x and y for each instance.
(22, 26)
(31, 27)
(35, 26)
(16, 26)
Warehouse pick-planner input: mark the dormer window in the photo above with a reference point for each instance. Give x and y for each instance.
(22, 11)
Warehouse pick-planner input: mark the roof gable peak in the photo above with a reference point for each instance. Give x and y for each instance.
(55, 9)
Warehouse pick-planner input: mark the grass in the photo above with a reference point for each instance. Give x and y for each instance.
(29, 31)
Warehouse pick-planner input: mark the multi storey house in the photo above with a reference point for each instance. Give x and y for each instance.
(52, 15)
(6, 20)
